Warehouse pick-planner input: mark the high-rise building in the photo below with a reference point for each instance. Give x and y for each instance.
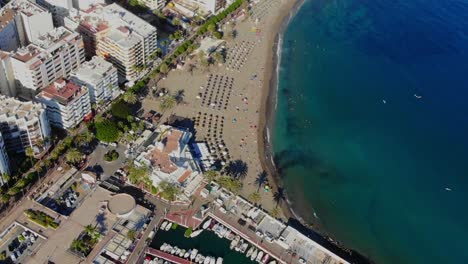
(67, 103)
(7, 77)
(117, 35)
(4, 161)
(22, 22)
(23, 125)
(100, 77)
(52, 56)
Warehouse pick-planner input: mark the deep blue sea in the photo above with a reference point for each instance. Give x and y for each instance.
(371, 131)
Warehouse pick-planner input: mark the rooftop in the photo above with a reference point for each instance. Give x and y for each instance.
(6, 15)
(100, 17)
(92, 71)
(10, 107)
(62, 91)
(46, 44)
(25, 7)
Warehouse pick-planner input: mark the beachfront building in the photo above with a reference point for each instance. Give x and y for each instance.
(101, 79)
(58, 8)
(114, 33)
(67, 103)
(4, 161)
(23, 125)
(170, 160)
(52, 56)
(154, 4)
(204, 8)
(22, 22)
(7, 77)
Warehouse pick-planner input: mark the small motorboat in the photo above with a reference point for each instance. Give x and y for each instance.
(207, 260)
(244, 247)
(202, 259)
(177, 252)
(234, 242)
(193, 254)
(197, 258)
(207, 224)
(213, 260)
(259, 256)
(182, 253)
(168, 226)
(265, 258)
(163, 246)
(219, 260)
(272, 262)
(254, 255)
(249, 252)
(228, 233)
(239, 245)
(187, 254)
(163, 226)
(196, 233)
(173, 250)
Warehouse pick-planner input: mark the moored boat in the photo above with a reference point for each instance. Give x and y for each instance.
(250, 251)
(213, 260)
(187, 254)
(219, 260)
(272, 262)
(259, 256)
(163, 226)
(182, 253)
(202, 258)
(207, 224)
(196, 233)
(193, 254)
(207, 260)
(244, 247)
(169, 225)
(265, 258)
(254, 255)
(234, 242)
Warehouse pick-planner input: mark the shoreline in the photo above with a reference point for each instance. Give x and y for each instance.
(265, 134)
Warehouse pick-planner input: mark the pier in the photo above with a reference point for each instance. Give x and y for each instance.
(166, 256)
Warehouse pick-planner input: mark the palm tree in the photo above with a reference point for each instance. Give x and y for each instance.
(73, 156)
(90, 230)
(169, 191)
(279, 196)
(5, 198)
(129, 97)
(237, 169)
(176, 22)
(164, 69)
(29, 153)
(255, 197)
(78, 245)
(261, 179)
(167, 103)
(274, 212)
(6, 178)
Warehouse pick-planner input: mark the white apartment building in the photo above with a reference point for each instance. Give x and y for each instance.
(170, 159)
(52, 56)
(100, 77)
(22, 22)
(67, 103)
(154, 4)
(204, 8)
(23, 125)
(117, 35)
(7, 77)
(4, 161)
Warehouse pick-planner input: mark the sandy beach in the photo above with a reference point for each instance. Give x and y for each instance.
(239, 123)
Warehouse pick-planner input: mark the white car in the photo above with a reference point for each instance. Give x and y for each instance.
(302, 261)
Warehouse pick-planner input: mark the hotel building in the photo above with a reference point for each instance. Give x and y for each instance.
(117, 35)
(67, 103)
(52, 56)
(100, 77)
(23, 125)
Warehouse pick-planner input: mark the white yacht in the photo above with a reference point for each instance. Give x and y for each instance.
(193, 254)
(196, 233)
(254, 255)
(163, 226)
(207, 260)
(250, 251)
(259, 256)
(219, 260)
(169, 225)
(207, 224)
(265, 258)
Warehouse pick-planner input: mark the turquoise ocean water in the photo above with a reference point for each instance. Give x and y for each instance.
(371, 131)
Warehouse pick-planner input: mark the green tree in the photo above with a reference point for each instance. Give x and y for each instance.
(255, 197)
(107, 131)
(229, 183)
(129, 97)
(120, 109)
(210, 175)
(6, 178)
(133, 3)
(218, 35)
(169, 191)
(164, 69)
(211, 27)
(29, 152)
(274, 212)
(5, 198)
(73, 156)
(90, 230)
(137, 175)
(168, 102)
(131, 234)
